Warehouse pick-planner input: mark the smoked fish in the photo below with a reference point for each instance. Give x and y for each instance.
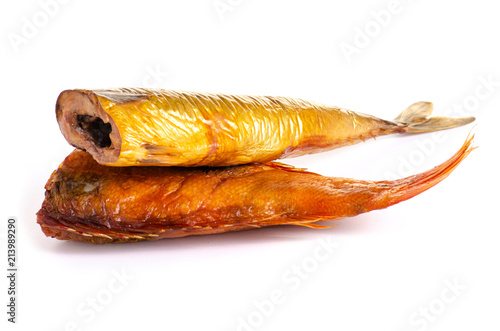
(86, 201)
(147, 127)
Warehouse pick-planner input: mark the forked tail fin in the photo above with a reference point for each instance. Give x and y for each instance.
(416, 118)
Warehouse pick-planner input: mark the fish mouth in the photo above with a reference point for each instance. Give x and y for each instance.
(54, 228)
(57, 227)
(85, 125)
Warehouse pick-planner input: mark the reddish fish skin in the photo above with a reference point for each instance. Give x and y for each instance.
(85, 201)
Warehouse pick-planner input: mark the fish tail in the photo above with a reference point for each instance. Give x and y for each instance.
(416, 119)
(406, 188)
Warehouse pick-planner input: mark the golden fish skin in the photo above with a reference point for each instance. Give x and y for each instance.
(86, 201)
(131, 127)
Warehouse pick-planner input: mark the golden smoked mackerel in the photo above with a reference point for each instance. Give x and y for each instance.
(86, 201)
(143, 127)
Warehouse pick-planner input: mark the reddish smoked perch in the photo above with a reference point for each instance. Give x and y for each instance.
(86, 201)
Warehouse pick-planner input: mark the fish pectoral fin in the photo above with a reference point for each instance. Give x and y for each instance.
(311, 222)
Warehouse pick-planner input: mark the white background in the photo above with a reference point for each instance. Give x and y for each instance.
(388, 268)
